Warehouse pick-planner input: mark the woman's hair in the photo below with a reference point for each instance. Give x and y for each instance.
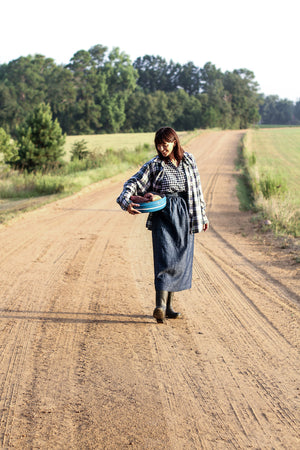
(167, 134)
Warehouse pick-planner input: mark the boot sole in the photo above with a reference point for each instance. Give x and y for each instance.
(159, 314)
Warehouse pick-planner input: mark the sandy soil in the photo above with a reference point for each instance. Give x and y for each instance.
(83, 365)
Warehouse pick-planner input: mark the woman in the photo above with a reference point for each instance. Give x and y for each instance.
(172, 173)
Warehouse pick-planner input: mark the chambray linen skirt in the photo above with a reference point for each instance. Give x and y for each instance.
(173, 245)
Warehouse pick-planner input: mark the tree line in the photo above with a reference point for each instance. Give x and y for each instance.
(276, 111)
(101, 91)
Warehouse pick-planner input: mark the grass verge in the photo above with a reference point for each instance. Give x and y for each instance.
(269, 164)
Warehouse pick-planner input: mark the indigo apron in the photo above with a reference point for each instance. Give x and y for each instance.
(173, 245)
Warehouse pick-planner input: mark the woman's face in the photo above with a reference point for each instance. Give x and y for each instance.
(166, 149)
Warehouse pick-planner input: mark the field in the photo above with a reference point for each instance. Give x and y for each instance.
(278, 154)
(273, 160)
(99, 143)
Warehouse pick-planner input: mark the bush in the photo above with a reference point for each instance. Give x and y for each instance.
(252, 159)
(8, 147)
(79, 150)
(272, 186)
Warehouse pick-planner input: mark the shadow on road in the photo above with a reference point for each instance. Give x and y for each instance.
(59, 317)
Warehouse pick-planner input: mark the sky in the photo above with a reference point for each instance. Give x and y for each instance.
(259, 35)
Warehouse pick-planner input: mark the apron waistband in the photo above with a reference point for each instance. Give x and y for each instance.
(183, 195)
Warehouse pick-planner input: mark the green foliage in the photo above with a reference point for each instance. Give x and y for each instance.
(104, 83)
(23, 85)
(79, 150)
(252, 159)
(40, 141)
(8, 147)
(242, 88)
(270, 185)
(146, 112)
(104, 92)
(245, 187)
(275, 111)
(297, 111)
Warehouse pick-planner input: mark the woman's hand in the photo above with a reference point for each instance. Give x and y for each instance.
(131, 208)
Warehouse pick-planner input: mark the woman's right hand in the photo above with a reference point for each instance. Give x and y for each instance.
(131, 208)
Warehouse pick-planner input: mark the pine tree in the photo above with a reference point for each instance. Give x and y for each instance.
(40, 140)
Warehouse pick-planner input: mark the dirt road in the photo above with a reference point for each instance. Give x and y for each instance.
(83, 365)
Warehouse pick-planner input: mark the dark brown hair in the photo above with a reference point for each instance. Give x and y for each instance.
(167, 134)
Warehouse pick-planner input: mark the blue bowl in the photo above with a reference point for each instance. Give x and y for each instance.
(148, 207)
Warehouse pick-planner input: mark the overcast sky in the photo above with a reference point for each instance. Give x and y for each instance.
(259, 35)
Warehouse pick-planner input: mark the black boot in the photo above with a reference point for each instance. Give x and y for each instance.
(160, 311)
(170, 313)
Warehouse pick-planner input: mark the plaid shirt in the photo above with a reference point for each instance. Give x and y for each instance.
(149, 179)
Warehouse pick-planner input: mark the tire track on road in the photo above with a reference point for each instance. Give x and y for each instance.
(286, 293)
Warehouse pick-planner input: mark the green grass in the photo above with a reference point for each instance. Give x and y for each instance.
(272, 169)
(277, 154)
(274, 126)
